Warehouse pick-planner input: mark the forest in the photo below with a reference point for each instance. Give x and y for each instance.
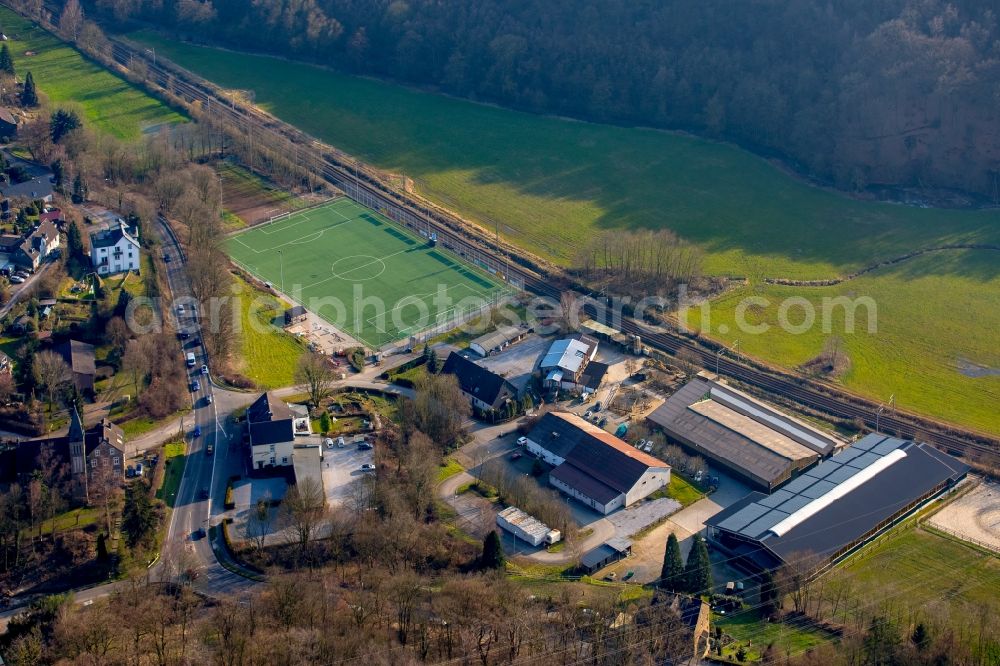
(858, 94)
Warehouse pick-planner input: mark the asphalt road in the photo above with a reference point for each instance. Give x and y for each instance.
(200, 497)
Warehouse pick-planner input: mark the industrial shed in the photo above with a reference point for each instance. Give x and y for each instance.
(605, 554)
(836, 507)
(744, 436)
(527, 527)
(498, 340)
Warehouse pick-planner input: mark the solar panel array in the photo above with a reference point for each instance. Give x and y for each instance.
(755, 519)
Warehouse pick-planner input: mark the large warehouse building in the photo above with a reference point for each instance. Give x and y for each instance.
(744, 436)
(592, 465)
(836, 507)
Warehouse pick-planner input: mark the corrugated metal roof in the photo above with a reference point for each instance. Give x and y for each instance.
(499, 337)
(758, 432)
(822, 517)
(567, 354)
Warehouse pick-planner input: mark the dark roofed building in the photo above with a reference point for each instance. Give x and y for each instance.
(85, 453)
(838, 506)
(80, 358)
(592, 465)
(295, 315)
(605, 554)
(8, 123)
(750, 439)
(271, 427)
(33, 188)
(593, 375)
(486, 390)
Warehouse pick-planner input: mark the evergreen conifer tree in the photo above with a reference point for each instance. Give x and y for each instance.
(6, 61)
(29, 96)
(493, 555)
(672, 573)
(698, 572)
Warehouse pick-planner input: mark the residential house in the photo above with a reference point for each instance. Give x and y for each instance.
(33, 247)
(34, 189)
(8, 123)
(91, 456)
(80, 358)
(485, 390)
(114, 250)
(592, 465)
(272, 426)
(566, 360)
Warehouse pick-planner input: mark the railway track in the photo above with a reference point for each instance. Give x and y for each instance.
(345, 173)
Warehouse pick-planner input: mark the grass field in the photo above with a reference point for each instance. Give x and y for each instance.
(175, 458)
(380, 275)
(924, 333)
(943, 578)
(108, 103)
(247, 198)
(269, 355)
(550, 183)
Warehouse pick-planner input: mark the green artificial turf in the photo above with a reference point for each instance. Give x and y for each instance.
(361, 272)
(61, 73)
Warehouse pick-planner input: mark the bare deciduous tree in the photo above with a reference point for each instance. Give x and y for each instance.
(314, 370)
(303, 510)
(51, 371)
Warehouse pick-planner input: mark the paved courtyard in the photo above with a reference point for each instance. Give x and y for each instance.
(517, 362)
(341, 469)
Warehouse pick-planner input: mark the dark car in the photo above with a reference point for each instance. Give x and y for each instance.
(197, 431)
(198, 534)
(516, 456)
(166, 257)
(603, 421)
(365, 446)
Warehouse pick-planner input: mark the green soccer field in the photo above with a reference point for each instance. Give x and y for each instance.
(363, 273)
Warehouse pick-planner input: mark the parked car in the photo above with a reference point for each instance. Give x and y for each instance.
(597, 406)
(516, 456)
(204, 369)
(196, 386)
(129, 472)
(208, 400)
(17, 279)
(341, 443)
(138, 469)
(587, 414)
(603, 422)
(365, 446)
(698, 476)
(611, 576)
(368, 467)
(648, 447)
(522, 441)
(197, 431)
(180, 308)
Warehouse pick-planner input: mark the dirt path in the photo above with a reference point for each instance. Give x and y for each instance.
(880, 264)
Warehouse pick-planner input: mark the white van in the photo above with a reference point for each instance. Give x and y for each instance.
(190, 359)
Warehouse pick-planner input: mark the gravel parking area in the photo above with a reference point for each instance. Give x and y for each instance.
(341, 468)
(974, 517)
(518, 361)
(634, 519)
